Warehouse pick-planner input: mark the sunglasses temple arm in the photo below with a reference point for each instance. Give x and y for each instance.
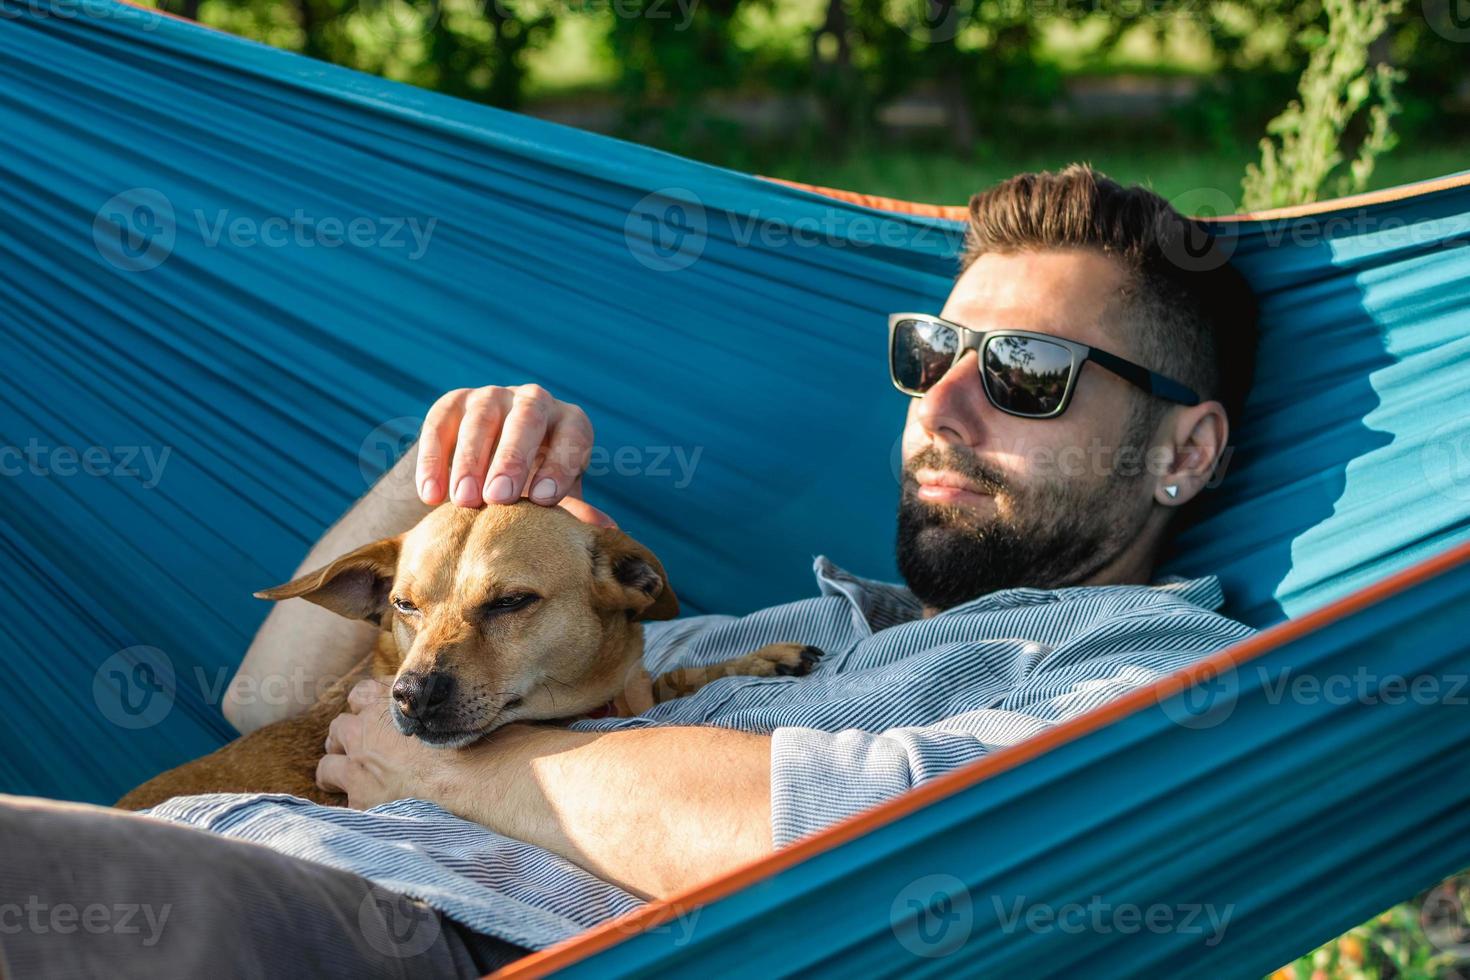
(1150, 381)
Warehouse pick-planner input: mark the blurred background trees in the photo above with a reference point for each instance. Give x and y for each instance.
(923, 99)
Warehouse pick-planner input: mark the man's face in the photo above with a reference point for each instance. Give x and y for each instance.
(992, 501)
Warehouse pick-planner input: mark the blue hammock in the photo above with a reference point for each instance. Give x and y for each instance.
(232, 279)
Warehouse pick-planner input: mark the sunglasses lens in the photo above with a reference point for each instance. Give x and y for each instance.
(1026, 376)
(922, 352)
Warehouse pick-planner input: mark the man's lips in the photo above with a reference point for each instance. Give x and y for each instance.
(943, 487)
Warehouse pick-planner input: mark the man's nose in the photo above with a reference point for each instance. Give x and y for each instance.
(953, 410)
(421, 695)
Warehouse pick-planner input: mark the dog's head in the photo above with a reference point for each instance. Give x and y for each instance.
(513, 612)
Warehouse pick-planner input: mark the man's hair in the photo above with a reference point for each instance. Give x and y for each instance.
(1195, 313)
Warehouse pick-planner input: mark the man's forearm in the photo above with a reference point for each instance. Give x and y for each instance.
(301, 647)
(655, 810)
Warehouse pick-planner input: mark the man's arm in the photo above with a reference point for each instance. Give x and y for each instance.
(654, 810)
(301, 646)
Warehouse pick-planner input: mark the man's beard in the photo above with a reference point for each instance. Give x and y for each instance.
(1057, 532)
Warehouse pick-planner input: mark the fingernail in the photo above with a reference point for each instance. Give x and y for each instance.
(429, 490)
(464, 492)
(499, 489)
(544, 489)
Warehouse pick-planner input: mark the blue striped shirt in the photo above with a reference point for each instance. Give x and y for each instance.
(898, 699)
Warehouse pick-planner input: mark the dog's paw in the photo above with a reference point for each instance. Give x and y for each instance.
(789, 659)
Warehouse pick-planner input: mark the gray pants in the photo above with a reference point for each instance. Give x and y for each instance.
(90, 892)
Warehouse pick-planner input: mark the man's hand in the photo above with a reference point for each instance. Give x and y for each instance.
(655, 810)
(495, 444)
(371, 760)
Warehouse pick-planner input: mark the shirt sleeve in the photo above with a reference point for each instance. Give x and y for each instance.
(669, 644)
(819, 778)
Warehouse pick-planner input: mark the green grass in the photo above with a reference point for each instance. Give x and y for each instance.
(1189, 176)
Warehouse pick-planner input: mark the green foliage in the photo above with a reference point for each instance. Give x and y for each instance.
(1427, 938)
(1303, 145)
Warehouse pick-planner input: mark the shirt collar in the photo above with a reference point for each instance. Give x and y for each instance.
(884, 604)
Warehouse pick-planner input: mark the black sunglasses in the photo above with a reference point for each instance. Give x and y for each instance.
(1028, 374)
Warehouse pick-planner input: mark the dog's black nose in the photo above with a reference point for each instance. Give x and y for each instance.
(422, 695)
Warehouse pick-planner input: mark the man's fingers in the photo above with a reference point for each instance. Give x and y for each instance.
(332, 773)
(583, 511)
(525, 427)
(436, 446)
(485, 411)
(366, 693)
(567, 452)
(344, 732)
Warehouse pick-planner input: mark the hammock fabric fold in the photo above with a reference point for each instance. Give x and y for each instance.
(233, 279)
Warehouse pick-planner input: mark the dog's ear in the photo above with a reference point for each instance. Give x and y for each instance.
(628, 577)
(355, 585)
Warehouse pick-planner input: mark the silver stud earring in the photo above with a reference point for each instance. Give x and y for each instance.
(1171, 490)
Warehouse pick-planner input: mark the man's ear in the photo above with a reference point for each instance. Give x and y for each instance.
(627, 576)
(1197, 444)
(355, 586)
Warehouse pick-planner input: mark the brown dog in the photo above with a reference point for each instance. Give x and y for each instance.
(515, 612)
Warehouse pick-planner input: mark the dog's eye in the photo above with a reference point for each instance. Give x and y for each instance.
(508, 603)
(404, 606)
